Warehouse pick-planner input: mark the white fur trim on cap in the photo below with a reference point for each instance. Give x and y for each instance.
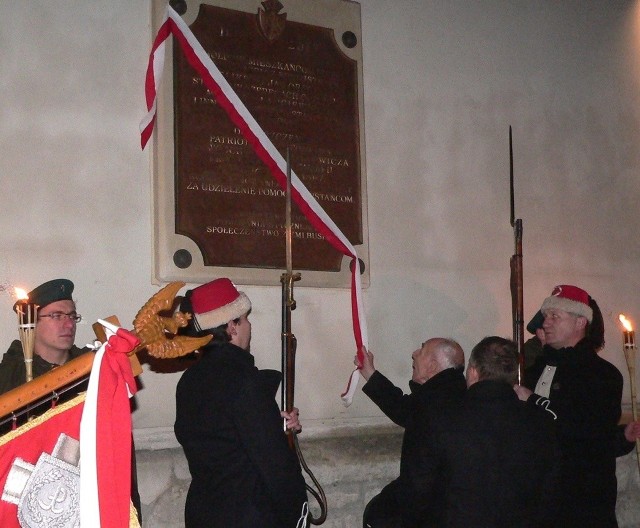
(239, 306)
(562, 303)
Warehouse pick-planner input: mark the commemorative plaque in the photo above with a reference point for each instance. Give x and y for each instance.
(296, 66)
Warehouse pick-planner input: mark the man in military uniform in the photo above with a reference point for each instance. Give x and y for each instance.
(54, 334)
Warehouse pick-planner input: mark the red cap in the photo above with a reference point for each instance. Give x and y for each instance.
(217, 303)
(570, 299)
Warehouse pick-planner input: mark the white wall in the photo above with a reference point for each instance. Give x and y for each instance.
(443, 82)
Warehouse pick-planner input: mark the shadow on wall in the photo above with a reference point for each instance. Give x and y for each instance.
(405, 313)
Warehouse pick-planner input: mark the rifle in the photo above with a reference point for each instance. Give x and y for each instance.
(289, 341)
(289, 346)
(517, 303)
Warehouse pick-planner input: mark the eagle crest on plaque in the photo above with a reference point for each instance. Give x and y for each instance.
(47, 494)
(270, 22)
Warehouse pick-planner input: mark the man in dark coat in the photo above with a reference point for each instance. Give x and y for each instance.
(583, 392)
(244, 475)
(496, 457)
(55, 334)
(438, 378)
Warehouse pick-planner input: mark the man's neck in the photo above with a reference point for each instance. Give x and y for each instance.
(568, 344)
(54, 356)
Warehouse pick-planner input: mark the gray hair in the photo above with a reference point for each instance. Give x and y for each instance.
(448, 353)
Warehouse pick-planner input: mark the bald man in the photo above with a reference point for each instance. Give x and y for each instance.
(437, 380)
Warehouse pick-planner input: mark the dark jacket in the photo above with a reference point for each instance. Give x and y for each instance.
(444, 388)
(496, 458)
(227, 420)
(585, 395)
(13, 372)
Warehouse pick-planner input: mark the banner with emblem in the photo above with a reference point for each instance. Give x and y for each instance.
(39, 473)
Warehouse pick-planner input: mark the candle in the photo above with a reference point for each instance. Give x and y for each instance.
(22, 297)
(27, 315)
(628, 334)
(629, 347)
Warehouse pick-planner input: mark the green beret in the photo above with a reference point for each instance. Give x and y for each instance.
(535, 323)
(49, 292)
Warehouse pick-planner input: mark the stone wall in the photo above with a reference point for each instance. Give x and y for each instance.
(351, 466)
(628, 505)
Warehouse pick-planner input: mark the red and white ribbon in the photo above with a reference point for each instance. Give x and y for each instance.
(264, 148)
(105, 434)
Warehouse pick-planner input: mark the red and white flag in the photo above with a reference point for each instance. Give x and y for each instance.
(105, 433)
(263, 147)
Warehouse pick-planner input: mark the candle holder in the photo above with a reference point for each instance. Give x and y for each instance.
(629, 347)
(27, 315)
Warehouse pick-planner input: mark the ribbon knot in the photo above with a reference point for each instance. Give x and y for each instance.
(122, 342)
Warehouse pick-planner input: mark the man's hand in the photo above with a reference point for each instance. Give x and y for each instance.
(366, 367)
(522, 392)
(292, 420)
(632, 431)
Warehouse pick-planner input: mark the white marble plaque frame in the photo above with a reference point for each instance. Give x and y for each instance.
(339, 15)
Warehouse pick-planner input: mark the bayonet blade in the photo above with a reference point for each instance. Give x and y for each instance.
(288, 230)
(511, 197)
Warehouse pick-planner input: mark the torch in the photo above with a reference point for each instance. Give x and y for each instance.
(27, 315)
(629, 346)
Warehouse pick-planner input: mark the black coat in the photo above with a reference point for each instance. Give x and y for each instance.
(445, 388)
(243, 473)
(585, 395)
(13, 371)
(13, 375)
(496, 458)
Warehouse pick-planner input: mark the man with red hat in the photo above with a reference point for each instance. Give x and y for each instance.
(244, 474)
(583, 393)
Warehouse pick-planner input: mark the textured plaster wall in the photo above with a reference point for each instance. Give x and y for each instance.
(443, 82)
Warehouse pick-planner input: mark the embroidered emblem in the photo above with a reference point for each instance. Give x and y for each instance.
(271, 22)
(47, 494)
(544, 403)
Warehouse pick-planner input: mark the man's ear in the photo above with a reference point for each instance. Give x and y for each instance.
(231, 328)
(582, 322)
(472, 375)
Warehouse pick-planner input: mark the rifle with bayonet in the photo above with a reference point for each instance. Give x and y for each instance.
(289, 345)
(517, 302)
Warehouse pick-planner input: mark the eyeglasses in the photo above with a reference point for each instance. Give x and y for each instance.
(61, 316)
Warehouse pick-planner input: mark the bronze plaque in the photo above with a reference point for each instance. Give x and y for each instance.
(304, 91)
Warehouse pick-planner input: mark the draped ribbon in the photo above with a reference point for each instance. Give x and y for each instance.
(105, 434)
(263, 147)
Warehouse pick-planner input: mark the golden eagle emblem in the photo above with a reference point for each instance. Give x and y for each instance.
(157, 333)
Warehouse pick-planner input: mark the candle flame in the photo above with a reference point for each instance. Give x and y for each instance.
(625, 322)
(21, 294)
